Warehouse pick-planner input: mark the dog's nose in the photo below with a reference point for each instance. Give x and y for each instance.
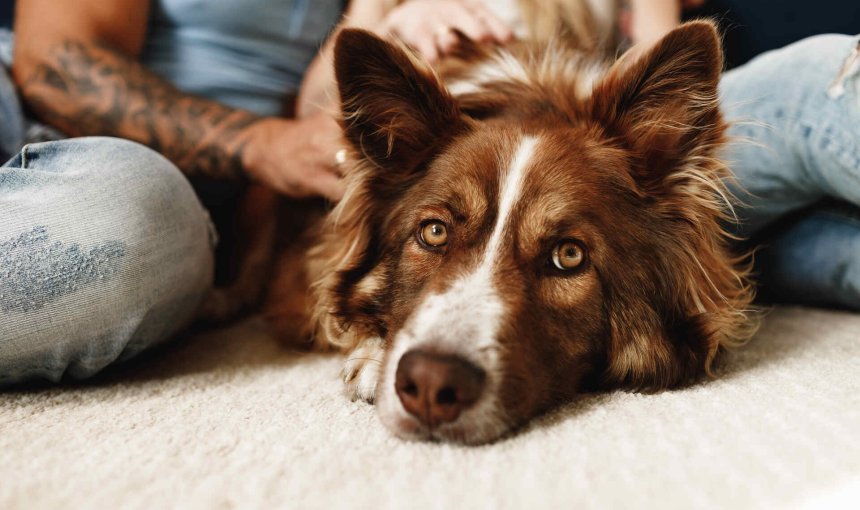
(436, 388)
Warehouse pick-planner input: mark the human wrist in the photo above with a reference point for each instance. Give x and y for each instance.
(256, 142)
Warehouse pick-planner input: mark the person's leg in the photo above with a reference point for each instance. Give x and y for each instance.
(794, 145)
(104, 250)
(813, 258)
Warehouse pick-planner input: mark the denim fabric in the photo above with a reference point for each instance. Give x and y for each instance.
(794, 147)
(249, 54)
(813, 258)
(104, 251)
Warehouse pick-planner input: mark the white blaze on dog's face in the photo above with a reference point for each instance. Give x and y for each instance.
(464, 321)
(521, 244)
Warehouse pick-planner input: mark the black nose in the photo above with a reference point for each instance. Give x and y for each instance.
(436, 388)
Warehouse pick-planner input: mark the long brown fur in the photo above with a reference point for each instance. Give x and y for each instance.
(709, 286)
(662, 314)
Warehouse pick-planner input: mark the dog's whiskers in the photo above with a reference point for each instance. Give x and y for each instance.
(364, 359)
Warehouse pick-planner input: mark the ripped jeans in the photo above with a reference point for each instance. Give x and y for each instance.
(105, 249)
(796, 155)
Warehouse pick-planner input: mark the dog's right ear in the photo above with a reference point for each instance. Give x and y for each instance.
(665, 106)
(396, 113)
(396, 116)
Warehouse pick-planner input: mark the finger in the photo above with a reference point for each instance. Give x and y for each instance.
(328, 185)
(394, 34)
(385, 29)
(426, 46)
(419, 41)
(468, 23)
(500, 30)
(446, 40)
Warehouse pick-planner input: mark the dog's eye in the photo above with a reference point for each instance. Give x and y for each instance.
(568, 255)
(434, 233)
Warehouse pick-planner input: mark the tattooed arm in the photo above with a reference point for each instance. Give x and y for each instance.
(75, 63)
(91, 89)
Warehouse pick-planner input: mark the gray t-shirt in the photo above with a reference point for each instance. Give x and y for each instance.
(249, 54)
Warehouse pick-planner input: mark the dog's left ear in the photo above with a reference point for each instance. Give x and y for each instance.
(685, 295)
(665, 104)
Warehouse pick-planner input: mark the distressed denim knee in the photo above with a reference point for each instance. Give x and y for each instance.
(794, 142)
(104, 251)
(795, 115)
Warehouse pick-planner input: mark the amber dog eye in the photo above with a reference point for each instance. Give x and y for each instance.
(434, 233)
(568, 255)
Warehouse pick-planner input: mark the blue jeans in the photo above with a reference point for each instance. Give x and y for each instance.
(794, 147)
(104, 251)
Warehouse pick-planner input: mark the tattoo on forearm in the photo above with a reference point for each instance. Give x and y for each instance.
(87, 89)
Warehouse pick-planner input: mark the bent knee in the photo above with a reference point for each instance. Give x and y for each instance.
(167, 234)
(120, 260)
(153, 207)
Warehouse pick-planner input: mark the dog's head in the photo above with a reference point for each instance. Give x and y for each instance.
(557, 241)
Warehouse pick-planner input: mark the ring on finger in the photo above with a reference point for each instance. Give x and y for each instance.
(340, 158)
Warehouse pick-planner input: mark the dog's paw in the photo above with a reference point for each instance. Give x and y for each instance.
(362, 370)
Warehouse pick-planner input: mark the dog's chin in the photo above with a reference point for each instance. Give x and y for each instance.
(484, 423)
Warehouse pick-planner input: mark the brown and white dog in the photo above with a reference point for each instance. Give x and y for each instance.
(521, 225)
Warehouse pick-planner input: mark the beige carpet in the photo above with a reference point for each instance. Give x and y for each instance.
(228, 420)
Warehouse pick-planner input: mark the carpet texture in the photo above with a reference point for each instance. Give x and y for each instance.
(229, 420)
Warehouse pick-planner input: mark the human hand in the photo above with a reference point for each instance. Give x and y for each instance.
(295, 157)
(427, 25)
(647, 21)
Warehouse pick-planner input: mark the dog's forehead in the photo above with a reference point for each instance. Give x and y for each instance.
(479, 156)
(568, 172)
